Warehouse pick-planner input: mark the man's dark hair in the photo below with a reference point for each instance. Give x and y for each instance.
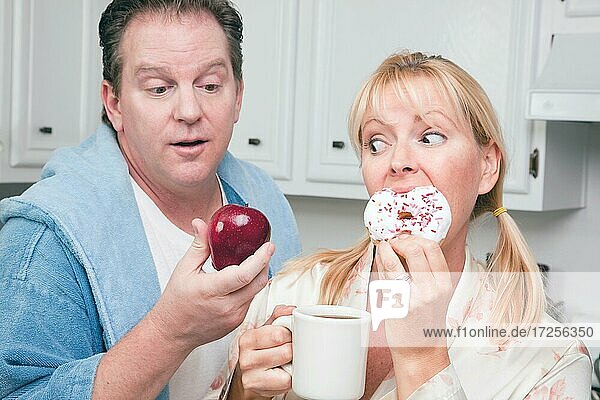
(119, 13)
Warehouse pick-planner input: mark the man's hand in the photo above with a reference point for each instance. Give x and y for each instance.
(196, 307)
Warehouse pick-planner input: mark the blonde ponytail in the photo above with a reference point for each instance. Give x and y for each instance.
(517, 278)
(340, 265)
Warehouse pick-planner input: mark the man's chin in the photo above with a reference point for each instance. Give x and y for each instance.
(194, 177)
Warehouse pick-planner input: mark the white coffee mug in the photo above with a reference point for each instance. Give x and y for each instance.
(329, 345)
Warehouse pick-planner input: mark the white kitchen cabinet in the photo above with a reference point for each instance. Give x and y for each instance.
(50, 79)
(562, 172)
(264, 133)
(350, 39)
(340, 42)
(5, 29)
(303, 63)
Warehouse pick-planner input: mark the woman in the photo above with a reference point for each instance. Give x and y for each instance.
(418, 121)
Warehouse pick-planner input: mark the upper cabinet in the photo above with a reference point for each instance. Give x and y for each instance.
(304, 60)
(50, 79)
(264, 134)
(338, 43)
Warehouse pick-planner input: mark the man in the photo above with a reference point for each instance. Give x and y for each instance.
(95, 303)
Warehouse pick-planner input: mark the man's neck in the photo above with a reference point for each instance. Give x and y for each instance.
(182, 207)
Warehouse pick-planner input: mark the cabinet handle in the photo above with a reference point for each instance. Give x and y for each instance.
(254, 141)
(46, 130)
(534, 163)
(338, 144)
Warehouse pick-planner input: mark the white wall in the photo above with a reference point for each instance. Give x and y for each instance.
(565, 240)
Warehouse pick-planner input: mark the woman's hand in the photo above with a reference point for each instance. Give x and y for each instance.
(416, 357)
(262, 351)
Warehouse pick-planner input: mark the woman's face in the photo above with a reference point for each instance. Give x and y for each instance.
(400, 151)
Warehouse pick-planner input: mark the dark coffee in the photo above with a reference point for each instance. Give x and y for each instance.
(338, 316)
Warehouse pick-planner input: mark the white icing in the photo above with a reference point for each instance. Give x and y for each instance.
(431, 216)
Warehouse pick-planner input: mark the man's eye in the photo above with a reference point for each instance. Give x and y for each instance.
(211, 87)
(376, 146)
(433, 138)
(158, 90)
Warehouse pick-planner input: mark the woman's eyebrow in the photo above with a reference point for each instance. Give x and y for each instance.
(374, 121)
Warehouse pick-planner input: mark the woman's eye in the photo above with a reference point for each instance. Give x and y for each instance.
(433, 138)
(376, 146)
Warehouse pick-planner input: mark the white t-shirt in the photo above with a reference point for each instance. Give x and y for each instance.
(168, 244)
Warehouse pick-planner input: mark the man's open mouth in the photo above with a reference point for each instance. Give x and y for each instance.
(189, 144)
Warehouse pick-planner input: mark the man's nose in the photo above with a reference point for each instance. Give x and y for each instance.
(188, 108)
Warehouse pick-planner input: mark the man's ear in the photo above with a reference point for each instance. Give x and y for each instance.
(491, 159)
(112, 106)
(238, 99)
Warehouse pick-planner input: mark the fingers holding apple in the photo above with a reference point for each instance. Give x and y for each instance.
(245, 280)
(199, 250)
(198, 307)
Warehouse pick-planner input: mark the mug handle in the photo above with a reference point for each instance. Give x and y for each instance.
(288, 322)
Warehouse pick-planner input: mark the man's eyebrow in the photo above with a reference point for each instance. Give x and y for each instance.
(150, 69)
(147, 69)
(219, 63)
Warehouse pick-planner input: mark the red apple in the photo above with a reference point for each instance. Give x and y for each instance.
(236, 232)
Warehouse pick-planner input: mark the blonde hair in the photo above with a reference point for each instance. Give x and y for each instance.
(519, 283)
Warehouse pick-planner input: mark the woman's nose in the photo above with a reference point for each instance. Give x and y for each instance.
(403, 163)
(188, 108)
(400, 168)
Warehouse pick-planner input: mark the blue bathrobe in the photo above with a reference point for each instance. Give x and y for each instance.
(76, 272)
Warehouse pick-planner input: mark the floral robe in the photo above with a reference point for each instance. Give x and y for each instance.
(489, 371)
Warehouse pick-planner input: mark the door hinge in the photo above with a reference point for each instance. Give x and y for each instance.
(534, 163)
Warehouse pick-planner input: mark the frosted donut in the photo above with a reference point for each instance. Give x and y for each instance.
(423, 211)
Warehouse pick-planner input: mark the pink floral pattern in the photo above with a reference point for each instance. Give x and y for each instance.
(499, 370)
(554, 392)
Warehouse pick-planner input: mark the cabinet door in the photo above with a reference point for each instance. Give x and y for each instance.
(264, 132)
(351, 37)
(50, 77)
(5, 30)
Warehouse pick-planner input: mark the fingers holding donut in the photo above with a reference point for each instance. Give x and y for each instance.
(422, 259)
(426, 264)
(431, 290)
(422, 255)
(407, 229)
(388, 263)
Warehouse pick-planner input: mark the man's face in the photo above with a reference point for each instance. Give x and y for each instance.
(178, 102)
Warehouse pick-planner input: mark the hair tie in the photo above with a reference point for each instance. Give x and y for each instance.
(498, 211)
